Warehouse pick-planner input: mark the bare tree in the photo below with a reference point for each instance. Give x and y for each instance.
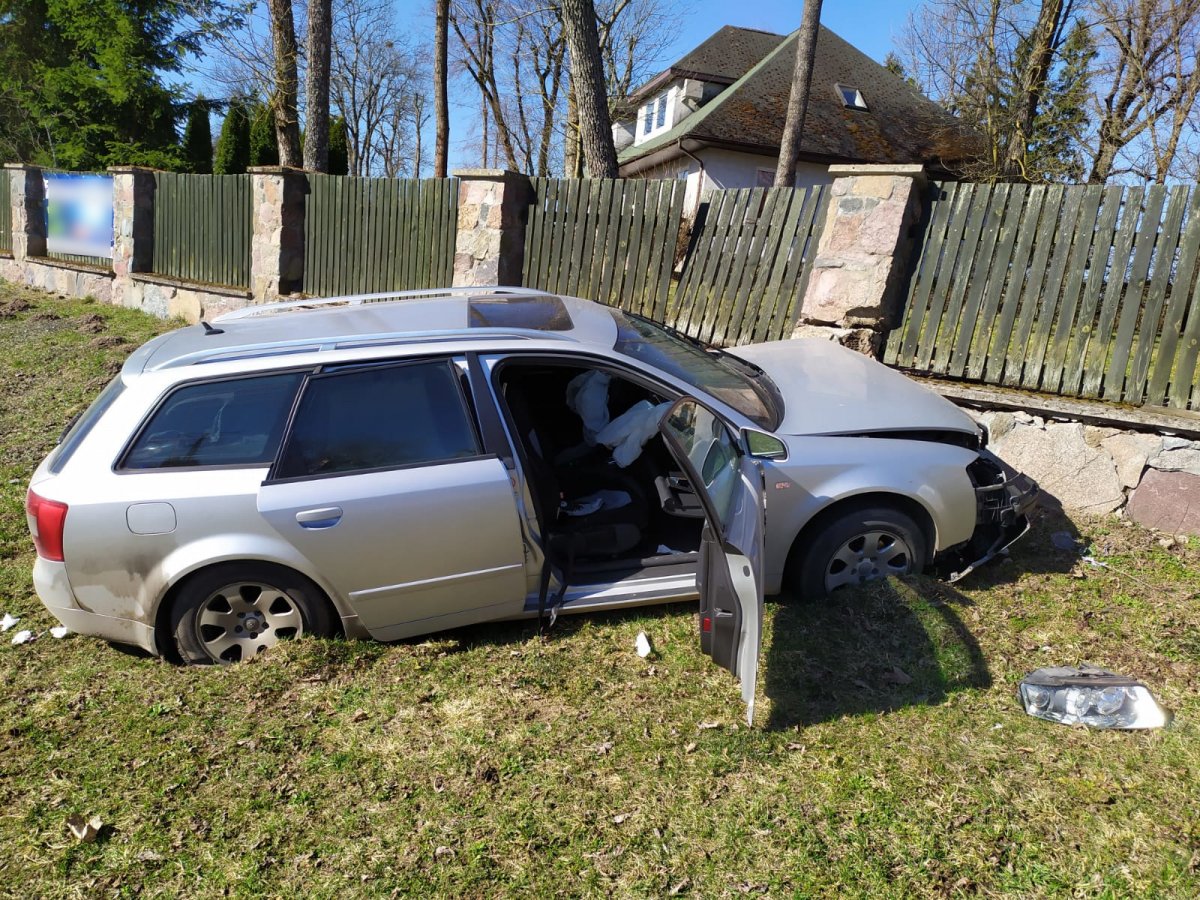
(285, 91)
(474, 22)
(591, 94)
(316, 140)
(1151, 82)
(514, 52)
(374, 79)
(441, 105)
(993, 63)
(793, 127)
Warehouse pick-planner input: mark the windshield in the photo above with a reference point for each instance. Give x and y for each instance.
(733, 381)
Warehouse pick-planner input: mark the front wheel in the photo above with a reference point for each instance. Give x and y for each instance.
(234, 611)
(859, 546)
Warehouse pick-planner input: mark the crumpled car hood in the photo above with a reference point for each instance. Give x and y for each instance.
(828, 389)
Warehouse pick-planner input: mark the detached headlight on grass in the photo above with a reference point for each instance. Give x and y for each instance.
(1090, 696)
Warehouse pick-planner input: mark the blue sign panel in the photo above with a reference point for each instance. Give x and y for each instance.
(79, 214)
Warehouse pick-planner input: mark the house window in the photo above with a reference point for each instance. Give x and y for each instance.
(765, 178)
(851, 97)
(662, 112)
(647, 118)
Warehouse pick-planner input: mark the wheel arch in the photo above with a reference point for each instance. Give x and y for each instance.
(163, 637)
(905, 504)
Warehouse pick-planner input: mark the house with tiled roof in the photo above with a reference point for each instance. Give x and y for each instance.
(716, 116)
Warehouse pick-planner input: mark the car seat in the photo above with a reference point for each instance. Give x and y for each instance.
(606, 532)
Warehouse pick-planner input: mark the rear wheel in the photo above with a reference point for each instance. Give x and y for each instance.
(234, 611)
(859, 546)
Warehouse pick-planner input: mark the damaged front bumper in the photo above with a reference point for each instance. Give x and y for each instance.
(1003, 501)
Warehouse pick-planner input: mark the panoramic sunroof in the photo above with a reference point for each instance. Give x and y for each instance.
(539, 313)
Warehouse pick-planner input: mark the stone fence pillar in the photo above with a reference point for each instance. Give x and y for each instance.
(277, 243)
(854, 291)
(489, 247)
(133, 220)
(28, 198)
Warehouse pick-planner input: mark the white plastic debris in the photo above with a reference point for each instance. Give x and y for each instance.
(606, 499)
(84, 830)
(60, 631)
(643, 645)
(23, 637)
(8, 621)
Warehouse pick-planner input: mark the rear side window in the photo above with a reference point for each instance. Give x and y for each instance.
(82, 425)
(236, 422)
(378, 418)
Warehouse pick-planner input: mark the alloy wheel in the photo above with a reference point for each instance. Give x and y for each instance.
(868, 557)
(241, 620)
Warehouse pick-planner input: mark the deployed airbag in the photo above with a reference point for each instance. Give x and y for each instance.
(629, 432)
(587, 397)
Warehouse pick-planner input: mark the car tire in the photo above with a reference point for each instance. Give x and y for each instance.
(858, 545)
(232, 612)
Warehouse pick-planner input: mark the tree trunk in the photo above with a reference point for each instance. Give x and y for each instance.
(1043, 43)
(419, 120)
(571, 155)
(793, 128)
(591, 98)
(1106, 157)
(283, 103)
(316, 139)
(441, 107)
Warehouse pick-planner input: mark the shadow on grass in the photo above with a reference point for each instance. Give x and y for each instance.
(894, 644)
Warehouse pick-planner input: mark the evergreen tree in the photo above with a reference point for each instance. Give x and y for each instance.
(1054, 151)
(233, 144)
(81, 81)
(339, 147)
(197, 150)
(264, 147)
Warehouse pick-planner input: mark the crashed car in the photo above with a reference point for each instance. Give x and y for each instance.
(392, 465)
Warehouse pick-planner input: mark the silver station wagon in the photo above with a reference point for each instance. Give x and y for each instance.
(392, 465)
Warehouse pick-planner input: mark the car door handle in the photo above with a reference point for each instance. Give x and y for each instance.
(325, 517)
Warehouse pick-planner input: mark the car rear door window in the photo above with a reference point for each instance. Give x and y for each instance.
(378, 418)
(233, 422)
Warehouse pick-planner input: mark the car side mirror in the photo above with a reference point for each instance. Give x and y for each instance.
(764, 446)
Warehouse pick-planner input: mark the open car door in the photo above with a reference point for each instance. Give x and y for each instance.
(730, 487)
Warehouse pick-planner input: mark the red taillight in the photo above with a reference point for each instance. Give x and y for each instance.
(706, 624)
(49, 519)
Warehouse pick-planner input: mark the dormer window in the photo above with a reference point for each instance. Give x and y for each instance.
(655, 116)
(851, 97)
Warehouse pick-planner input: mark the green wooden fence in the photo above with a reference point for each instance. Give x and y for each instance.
(608, 240)
(748, 264)
(202, 228)
(5, 210)
(365, 235)
(1085, 291)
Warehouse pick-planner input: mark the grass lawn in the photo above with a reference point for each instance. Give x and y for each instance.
(890, 759)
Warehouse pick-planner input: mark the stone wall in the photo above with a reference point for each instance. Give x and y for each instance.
(1154, 479)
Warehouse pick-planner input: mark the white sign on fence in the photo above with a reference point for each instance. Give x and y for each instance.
(79, 214)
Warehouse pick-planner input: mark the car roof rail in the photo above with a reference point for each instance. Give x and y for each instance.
(353, 342)
(350, 300)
